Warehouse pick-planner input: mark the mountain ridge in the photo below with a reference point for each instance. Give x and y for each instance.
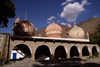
(87, 25)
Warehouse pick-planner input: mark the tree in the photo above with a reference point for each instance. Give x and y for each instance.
(7, 10)
(95, 37)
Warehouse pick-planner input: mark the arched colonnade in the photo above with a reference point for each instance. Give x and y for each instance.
(46, 52)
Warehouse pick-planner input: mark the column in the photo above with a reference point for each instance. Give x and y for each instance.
(52, 56)
(80, 54)
(90, 53)
(33, 57)
(68, 55)
(99, 54)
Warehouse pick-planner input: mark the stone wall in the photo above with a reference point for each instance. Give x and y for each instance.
(33, 44)
(4, 41)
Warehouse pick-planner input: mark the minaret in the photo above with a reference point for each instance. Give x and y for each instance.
(26, 16)
(18, 16)
(16, 21)
(16, 25)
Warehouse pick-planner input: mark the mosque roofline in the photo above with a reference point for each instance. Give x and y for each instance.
(65, 39)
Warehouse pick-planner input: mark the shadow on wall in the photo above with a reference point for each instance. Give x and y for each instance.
(72, 62)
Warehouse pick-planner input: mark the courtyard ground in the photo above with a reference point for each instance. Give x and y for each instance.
(74, 62)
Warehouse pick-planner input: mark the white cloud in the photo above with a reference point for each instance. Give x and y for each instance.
(66, 2)
(51, 18)
(58, 20)
(72, 11)
(84, 2)
(58, 14)
(36, 29)
(88, 3)
(48, 22)
(63, 3)
(63, 23)
(95, 16)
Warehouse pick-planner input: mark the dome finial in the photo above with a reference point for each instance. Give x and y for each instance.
(26, 16)
(69, 26)
(53, 18)
(74, 23)
(68, 22)
(18, 16)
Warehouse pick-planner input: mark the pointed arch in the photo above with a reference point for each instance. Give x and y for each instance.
(26, 45)
(21, 51)
(62, 46)
(46, 46)
(43, 52)
(74, 51)
(85, 51)
(94, 50)
(60, 52)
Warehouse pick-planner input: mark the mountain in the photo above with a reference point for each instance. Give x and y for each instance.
(40, 32)
(88, 26)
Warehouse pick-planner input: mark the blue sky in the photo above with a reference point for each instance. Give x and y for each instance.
(40, 12)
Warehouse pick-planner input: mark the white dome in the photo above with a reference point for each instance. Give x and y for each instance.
(76, 32)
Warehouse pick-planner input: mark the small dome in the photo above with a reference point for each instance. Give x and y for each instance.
(54, 30)
(69, 26)
(76, 32)
(24, 28)
(16, 21)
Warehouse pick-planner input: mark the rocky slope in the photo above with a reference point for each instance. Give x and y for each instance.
(89, 25)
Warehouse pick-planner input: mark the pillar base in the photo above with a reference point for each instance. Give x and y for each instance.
(52, 57)
(80, 54)
(90, 54)
(68, 55)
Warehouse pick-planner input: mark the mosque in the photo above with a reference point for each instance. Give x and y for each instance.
(23, 43)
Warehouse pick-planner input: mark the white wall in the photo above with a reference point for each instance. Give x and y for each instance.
(18, 54)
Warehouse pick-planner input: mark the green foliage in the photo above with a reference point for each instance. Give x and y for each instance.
(98, 28)
(91, 57)
(3, 61)
(95, 37)
(7, 10)
(96, 54)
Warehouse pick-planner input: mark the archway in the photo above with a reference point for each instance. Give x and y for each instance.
(74, 52)
(94, 50)
(60, 52)
(85, 51)
(20, 51)
(42, 53)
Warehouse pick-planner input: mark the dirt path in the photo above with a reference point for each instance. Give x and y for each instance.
(27, 62)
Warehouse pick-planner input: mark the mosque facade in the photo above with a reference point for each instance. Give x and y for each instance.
(23, 43)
